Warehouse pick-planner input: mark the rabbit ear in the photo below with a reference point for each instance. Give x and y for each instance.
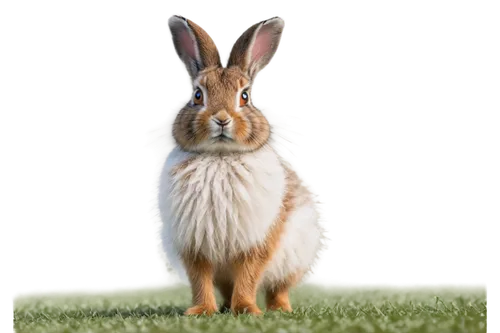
(193, 45)
(255, 48)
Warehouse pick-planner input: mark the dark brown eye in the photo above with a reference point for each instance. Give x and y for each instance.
(244, 98)
(198, 97)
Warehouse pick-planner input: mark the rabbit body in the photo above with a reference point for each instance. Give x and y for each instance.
(235, 215)
(223, 205)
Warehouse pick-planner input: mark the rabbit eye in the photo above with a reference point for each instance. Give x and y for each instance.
(244, 98)
(198, 97)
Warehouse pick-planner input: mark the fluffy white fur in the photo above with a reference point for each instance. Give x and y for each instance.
(221, 205)
(299, 245)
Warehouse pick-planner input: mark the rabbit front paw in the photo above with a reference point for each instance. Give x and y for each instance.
(202, 309)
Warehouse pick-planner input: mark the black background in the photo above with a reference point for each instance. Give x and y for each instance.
(382, 100)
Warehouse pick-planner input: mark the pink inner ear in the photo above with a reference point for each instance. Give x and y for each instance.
(187, 44)
(262, 43)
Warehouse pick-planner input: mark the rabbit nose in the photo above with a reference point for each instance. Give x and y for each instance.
(221, 122)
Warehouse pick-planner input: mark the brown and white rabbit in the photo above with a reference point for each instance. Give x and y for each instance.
(235, 216)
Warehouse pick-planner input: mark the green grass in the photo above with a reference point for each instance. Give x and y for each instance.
(315, 310)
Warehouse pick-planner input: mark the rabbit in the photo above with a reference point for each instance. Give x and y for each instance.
(235, 216)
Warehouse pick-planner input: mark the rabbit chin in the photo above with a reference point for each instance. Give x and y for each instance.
(221, 145)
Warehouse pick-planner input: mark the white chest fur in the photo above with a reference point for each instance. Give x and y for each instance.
(219, 205)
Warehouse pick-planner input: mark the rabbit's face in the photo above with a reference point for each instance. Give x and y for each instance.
(220, 115)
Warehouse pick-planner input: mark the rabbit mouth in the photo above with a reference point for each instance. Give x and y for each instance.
(223, 138)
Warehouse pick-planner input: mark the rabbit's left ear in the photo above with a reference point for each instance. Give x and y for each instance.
(255, 48)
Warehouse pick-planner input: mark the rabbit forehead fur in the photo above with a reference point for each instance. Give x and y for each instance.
(221, 205)
(222, 85)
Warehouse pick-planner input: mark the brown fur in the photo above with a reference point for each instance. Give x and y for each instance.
(240, 55)
(301, 194)
(277, 295)
(200, 273)
(208, 51)
(191, 127)
(225, 285)
(222, 116)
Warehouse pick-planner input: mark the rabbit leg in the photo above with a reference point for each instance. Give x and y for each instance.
(248, 269)
(226, 290)
(200, 274)
(247, 272)
(277, 295)
(277, 299)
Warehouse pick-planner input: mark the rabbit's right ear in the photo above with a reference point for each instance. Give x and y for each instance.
(193, 45)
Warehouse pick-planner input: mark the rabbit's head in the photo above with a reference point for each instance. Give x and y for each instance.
(220, 116)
